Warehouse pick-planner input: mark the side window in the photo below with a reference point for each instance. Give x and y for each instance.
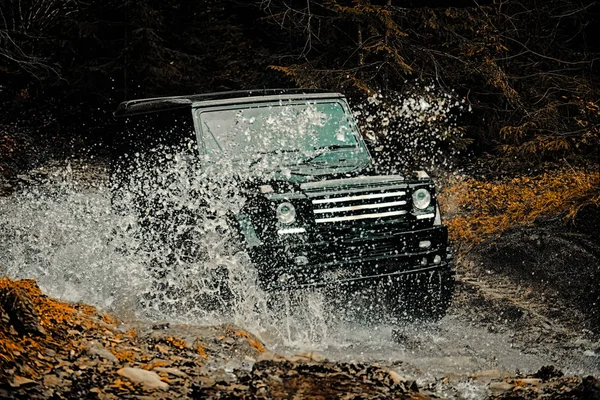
(207, 143)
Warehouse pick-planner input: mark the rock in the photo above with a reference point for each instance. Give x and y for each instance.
(499, 387)
(52, 380)
(162, 326)
(148, 379)
(548, 372)
(396, 377)
(19, 381)
(311, 356)
(97, 349)
(21, 312)
(162, 348)
(528, 382)
(490, 375)
(268, 355)
(172, 371)
(412, 385)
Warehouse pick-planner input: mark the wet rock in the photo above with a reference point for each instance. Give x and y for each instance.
(286, 379)
(171, 371)
(52, 380)
(528, 382)
(490, 375)
(310, 356)
(20, 311)
(500, 387)
(396, 377)
(19, 381)
(96, 349)
(547, 372)
(148, 379)
(268, 355)
(165, 325)
(164, 349)
(589, 388)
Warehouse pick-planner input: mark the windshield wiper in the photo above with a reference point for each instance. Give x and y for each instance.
(319, 151)
(324, 149)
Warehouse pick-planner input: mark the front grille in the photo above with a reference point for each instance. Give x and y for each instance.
(364, 252)
(359, 205)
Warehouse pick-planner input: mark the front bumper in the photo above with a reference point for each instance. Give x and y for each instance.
(297, 262)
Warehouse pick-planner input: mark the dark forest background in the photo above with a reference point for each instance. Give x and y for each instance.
(528, 69)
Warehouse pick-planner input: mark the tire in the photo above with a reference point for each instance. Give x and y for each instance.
(420, 297)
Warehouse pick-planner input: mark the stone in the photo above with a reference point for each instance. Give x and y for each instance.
(548, 372)
(499, 387)
(19, 381)
(528, 382)
(162, 348)
(412, 385)
(172, 371)
(396, 377)
(149, 379)
(97, 349)
(310, 356)
(52, 380)
(490, 375)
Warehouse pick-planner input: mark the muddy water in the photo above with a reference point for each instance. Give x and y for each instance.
(63, 233)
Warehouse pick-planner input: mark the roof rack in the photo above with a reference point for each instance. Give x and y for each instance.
(155, 104)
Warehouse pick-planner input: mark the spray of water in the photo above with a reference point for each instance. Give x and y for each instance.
(418, 128)
(62, 234)
(158, 241)
(153, 243)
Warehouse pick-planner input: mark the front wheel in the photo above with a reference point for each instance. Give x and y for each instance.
(424, 296)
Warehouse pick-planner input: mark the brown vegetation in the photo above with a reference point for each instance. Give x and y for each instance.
(38, 327)
(483, 209)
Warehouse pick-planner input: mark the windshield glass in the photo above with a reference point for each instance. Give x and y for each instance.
(304, 128)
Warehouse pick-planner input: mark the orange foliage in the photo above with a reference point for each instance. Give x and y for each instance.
(489, 208)
(62, 323)
(176, 342)
(201, 351)
(125, 356)
(253, 342)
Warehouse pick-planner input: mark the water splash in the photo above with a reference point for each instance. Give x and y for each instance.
(62, 233)
(82, 241)
(417, 128)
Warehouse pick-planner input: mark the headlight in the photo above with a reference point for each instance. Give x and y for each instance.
(421, 199)
(286, 213)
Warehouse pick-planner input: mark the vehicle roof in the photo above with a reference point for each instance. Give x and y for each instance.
(141, 106)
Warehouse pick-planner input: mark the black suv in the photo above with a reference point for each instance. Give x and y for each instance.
(321, 216)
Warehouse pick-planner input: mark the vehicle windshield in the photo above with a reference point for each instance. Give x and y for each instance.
(303, 133)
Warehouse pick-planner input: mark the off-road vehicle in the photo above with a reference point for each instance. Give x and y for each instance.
(322, 216)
